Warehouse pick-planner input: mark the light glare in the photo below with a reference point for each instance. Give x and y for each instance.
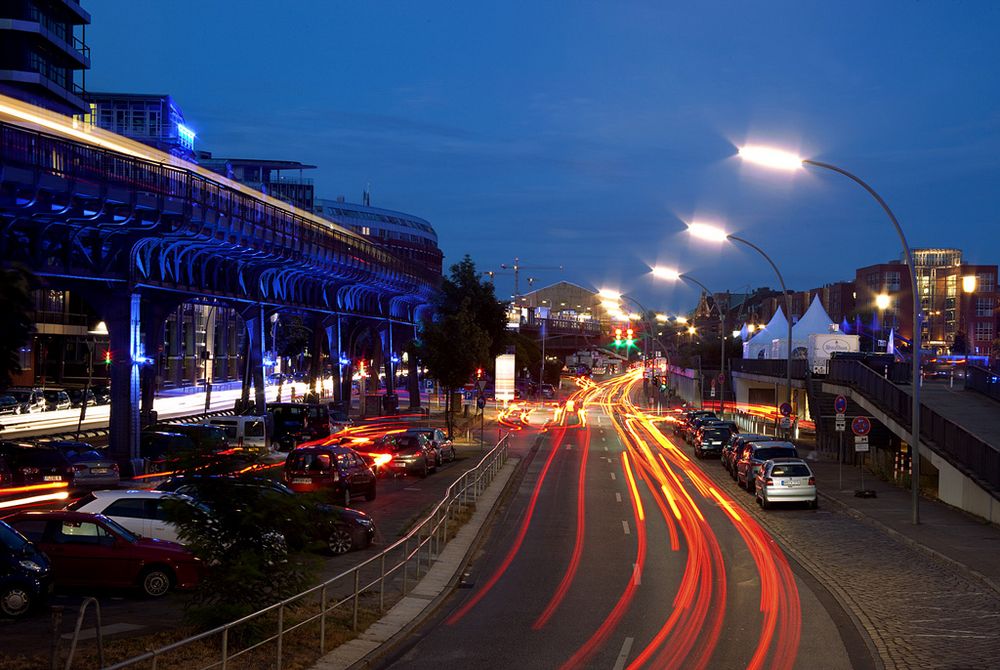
(706, 231)
(882, 301)
(609, 294)
(771, 157)
(669, 274)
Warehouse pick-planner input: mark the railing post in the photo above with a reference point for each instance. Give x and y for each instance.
(357, 597)
(381, 585)
(322, 620)
(406, 563)
(281, 631)
(225, 647)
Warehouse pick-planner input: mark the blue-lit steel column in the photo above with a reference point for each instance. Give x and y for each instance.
(254, 318)
(390, 380)
(123, 318)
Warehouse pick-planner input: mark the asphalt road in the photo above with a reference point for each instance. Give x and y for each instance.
(581, 569)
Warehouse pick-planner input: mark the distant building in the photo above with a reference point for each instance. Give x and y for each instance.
(153, 119)
(403, 235)
(893, 280)
(279, 179)
(41, 53)
(565, 300)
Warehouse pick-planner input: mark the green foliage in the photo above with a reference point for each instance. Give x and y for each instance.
(527, 353)
(15, 305)
(245, 537)
(960, 345)
(463, 290)
(551, 373)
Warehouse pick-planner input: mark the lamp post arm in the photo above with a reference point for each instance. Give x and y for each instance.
(788, 311)
(915, 354)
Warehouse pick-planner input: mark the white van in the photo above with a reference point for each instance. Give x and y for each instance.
(245, 432)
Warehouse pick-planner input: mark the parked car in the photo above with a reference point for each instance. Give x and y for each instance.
(334, 468)
(91, 466)
(411, 454)
(30, 401)
(56, 399)
(207, 439)
(296, 422)
(76, 397)
(102, 393)
(339, 421)
(142, 512)
(160, 450)
(25, 575)
(684, 422)
(93, 551)
(35, 464)
(732, 449)
(245, 433)
(547, 391)
(444, 447)
(9, 405)
(691, 430)
(343, 529)
(781, 480)
(710, 441)
(754, 456)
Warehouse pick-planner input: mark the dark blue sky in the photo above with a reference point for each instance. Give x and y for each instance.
(582, 133)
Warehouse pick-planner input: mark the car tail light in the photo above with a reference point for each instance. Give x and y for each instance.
(768, 482)
(812, 481)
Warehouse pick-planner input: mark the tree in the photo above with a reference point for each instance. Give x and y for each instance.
(464, 289)
(960, 345)
(452, 347)
(15, 305)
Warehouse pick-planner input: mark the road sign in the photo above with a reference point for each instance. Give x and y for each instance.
(722, 378)
(785, 409)
(481, 385)
(840, 404)
(861, 425)
(481, 402)
(860, 443)
(713, 390)
(786, 423)
(841, 424)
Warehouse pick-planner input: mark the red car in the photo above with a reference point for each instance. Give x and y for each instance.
(338, 468)
(92, 550)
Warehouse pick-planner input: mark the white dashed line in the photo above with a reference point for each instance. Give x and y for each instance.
(625, 527)
(618, 497)
(623, 654)
(606, 448)
(613, 476)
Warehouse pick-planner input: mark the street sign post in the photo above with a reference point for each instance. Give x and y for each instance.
(841, 424)
(861, 426)
(785, 409)
(840, 405)
(481, 385)
(786, 423)
(860, 443)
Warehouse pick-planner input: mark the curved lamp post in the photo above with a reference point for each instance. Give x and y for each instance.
(785, 160)
(712, 233)
(673, 275)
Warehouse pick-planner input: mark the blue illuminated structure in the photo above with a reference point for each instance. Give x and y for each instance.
(154, 119)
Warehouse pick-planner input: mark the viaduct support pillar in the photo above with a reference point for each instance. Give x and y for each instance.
(413, 369)
(253, 317)
(123, 319)
(333, 340)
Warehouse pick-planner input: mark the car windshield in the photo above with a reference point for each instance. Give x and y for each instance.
(790, 470)
(120, 530)
(21, 396)
(10, 538)
(309, 460)
(404, 442)
(44, 457)
(768, 453)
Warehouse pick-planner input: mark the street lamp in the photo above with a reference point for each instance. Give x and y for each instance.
(711, 233)
(968, 288)
(671, 274)
(786, 160)
(882, 303)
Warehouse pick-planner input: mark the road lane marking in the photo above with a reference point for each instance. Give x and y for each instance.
(625, 527)
(623, 654)
(613, 476)
(607, 448)
(618, 497)
(603, 439)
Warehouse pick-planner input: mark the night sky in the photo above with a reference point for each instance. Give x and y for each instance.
(583, 134)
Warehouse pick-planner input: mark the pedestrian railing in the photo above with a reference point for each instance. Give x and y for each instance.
(983, 380)
(323, 614)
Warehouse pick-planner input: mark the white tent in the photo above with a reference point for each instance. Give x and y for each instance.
(814, 322)
(759, 346)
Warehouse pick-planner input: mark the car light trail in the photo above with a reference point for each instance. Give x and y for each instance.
(31, 500)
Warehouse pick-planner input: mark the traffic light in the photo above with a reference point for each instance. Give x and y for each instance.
(107, 357)
(479, 373)
(618, 337)
(630, 339)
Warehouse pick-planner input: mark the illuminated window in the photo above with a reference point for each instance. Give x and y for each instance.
(892, 281)
(984, 282)
(984, 331)
(984, 306)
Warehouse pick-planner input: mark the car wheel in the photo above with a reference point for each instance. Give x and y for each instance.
(814, 503)
(370, 495)
(155, 582)
(765, 503)
(341, 541)
(424, 471)
(15, 600)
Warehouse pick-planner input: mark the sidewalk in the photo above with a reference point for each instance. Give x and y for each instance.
(948, 534)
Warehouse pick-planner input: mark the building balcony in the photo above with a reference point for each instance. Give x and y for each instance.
(68, 101)
(75, 53)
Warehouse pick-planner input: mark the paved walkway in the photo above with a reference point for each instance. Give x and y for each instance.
(972, 411)
(428, 593)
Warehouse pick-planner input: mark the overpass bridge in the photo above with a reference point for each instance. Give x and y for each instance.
(138, 232)
(959, 424)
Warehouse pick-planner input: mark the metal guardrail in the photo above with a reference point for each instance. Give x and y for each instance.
(982, 380)
(978, 458)
(403, 562)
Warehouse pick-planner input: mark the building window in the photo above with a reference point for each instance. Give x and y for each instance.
(985, 282)
(984, 306)
(984, 331)
(892, 281)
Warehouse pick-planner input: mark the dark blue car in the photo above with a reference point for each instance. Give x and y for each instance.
(25, 577)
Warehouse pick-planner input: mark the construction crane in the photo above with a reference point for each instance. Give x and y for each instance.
(516, 268)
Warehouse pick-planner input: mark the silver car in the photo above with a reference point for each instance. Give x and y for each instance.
(782, 480)
(92, 468)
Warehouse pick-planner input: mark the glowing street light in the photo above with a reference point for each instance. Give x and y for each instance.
(969, 283)
(669, 274)
(692, 330)
(882, 301)
(784, 160)
(662, 318)
(610, 305)
(681, 319)
(707, 231)
(609, 294)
